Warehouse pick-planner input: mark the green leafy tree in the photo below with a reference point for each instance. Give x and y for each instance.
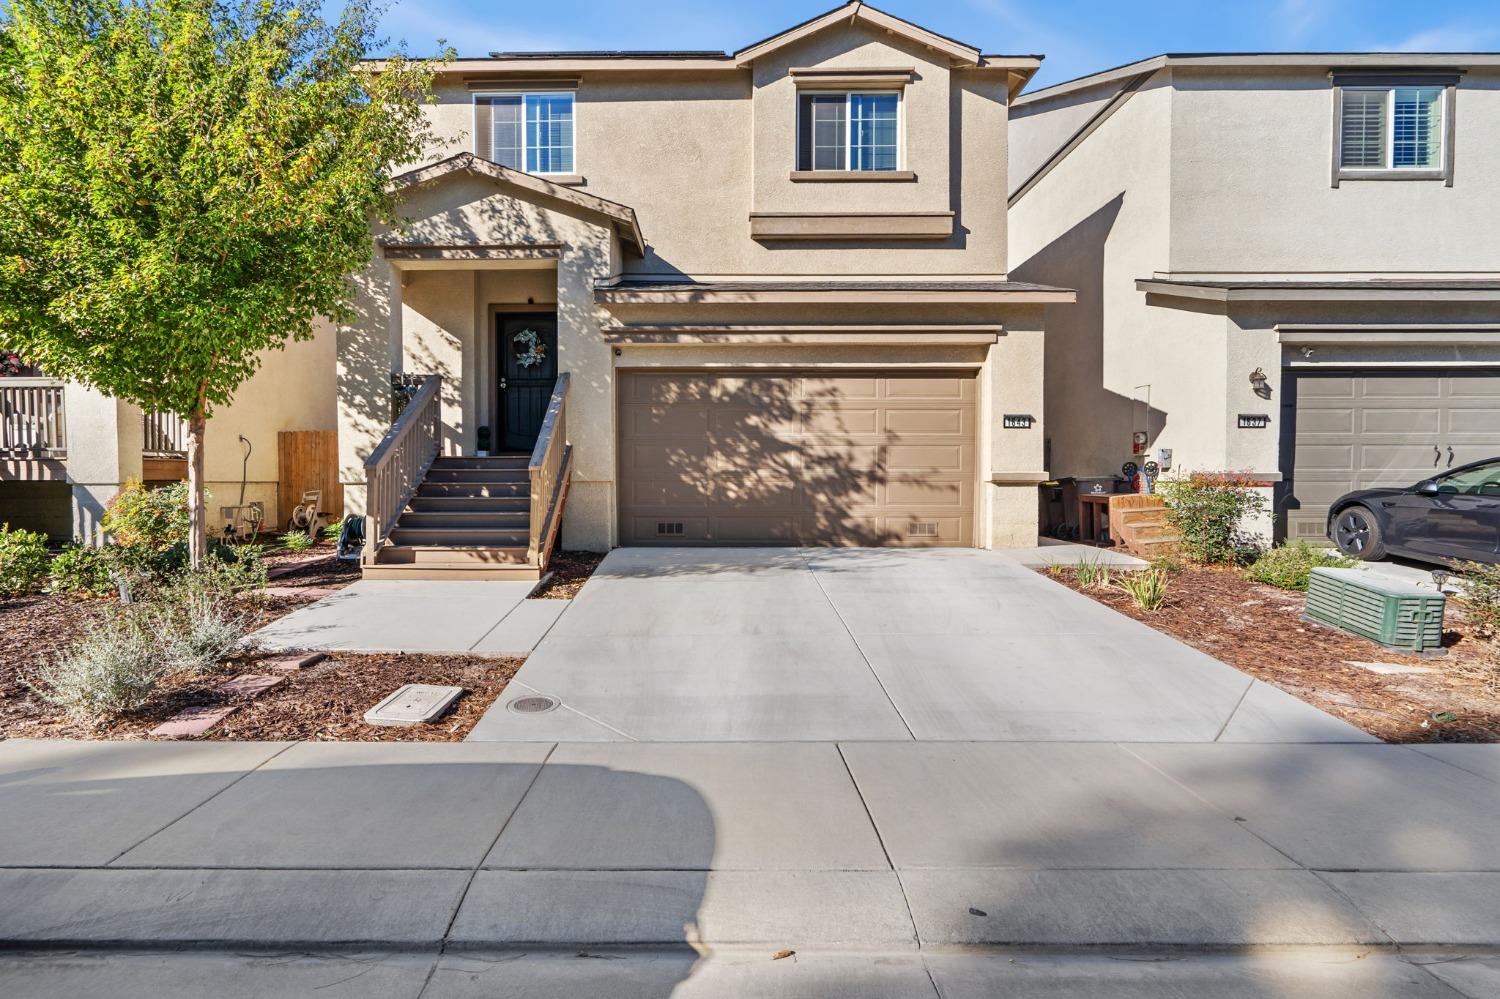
(186, 184)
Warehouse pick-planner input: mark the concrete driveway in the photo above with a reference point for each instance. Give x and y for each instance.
(873, 644)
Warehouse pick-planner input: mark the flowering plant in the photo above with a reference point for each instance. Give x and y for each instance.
(11, 365)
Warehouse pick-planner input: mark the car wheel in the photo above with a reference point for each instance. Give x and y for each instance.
(1357, 533)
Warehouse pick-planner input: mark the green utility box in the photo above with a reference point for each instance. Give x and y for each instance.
(1400, 616)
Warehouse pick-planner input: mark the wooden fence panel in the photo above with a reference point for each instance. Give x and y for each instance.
(308, 459)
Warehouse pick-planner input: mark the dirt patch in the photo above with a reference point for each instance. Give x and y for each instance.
(570, 570)
(1258, 629)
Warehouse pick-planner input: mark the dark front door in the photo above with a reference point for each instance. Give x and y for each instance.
(528, 372)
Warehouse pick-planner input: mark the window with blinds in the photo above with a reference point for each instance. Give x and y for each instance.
(1391, 128)
(839, 131)
(530, 132)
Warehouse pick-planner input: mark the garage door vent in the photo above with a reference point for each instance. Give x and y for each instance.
(665, 529)
(922, 529)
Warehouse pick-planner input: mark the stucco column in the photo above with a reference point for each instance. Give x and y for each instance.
(369, 349)
(1014, 457)
(589, 522)
(104, 449)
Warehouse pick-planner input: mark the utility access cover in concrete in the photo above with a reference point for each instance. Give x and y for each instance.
(414, 704)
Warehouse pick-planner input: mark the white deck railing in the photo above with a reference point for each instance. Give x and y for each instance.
(33, 422)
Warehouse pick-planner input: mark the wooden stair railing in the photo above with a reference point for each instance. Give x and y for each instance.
(33, 419)
(399, 463)
(550, 469)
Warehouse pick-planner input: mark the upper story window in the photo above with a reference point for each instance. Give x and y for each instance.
(848, 131)
(530, 132)
(1394, 129)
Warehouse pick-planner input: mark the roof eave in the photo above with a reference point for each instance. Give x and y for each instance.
(622, 217)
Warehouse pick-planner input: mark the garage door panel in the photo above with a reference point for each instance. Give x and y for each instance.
(1474, 421)
(861, 419)
(1324, 387)
(917, 422)
(858, 458)
(1392, 428)
(919, 495)
(1403, 387)
(929, 388)
(1484, 387)
(660, 421)
(1401, 421)
(1313, 422)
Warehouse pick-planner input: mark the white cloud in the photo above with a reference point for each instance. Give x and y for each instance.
(1453, 37)
(1297, 20)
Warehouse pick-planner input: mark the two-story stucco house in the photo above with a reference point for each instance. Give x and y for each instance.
(1285, 264)
(705, 298)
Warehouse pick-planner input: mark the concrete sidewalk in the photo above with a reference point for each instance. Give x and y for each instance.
(902, 854)
(471, 617)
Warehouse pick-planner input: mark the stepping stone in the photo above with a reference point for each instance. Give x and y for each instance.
(413, 704)
(248, 685)
(1390, 669)
(194, 721)
(291, 664)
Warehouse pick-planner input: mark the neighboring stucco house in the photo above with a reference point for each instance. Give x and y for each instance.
(1285, 264)
(65, 449)
(775, 282)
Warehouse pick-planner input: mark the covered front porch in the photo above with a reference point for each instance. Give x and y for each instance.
(477, 343)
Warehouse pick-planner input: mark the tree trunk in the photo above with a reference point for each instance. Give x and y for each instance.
(197, 514)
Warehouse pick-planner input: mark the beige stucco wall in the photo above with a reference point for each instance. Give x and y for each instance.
(1038, 128)
(293, 389)
(727, 148)
(1251, 184)
(1096, 223)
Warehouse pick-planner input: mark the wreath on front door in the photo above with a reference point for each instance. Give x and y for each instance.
(531, 350)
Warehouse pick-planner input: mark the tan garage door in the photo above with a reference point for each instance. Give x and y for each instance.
(848, 458)
(1357, 431)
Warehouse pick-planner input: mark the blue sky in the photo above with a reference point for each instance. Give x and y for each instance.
(1076, 36)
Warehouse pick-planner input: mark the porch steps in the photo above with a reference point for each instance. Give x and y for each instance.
(1138, 523)
(469, 519)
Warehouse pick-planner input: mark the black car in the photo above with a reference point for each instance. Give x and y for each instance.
(1451, 517)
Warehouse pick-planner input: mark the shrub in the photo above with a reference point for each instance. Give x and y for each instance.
(199, 631)
(297, 541)
(112, 669)
(334, 529)
(23, 560)
(1209, 510)
(1481, 597)
(1168, 562)
(155, 520)
(1147, 589)
(81, 570)
(1290, 565)
(1092, 572)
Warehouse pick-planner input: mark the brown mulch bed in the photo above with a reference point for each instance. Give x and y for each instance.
(324, 702)
(568, 572)
(1258, 629)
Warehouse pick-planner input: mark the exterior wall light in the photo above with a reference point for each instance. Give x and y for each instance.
(1260, 383)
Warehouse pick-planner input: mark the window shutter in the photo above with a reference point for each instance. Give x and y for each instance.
(484, 132)
(1362, 130)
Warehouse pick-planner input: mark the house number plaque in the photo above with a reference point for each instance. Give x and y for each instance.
(1254, 421)
(1017, 421)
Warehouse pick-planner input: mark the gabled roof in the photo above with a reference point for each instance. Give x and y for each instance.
(1267, 60)
(961, 53)
(622, 217)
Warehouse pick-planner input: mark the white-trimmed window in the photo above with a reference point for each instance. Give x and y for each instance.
(849, 131)
(1394, 129)
(530, 132)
